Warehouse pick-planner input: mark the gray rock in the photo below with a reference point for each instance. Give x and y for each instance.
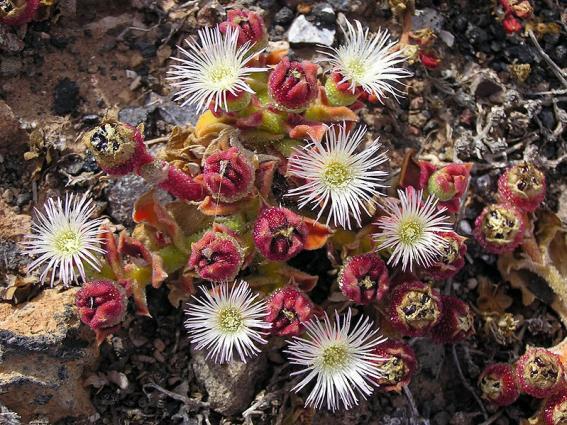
(121, 196)
(231, 387)
(428, 18)
(168, 110)
(303, 31)
(284, 16)
(324, 13)
(353, 6)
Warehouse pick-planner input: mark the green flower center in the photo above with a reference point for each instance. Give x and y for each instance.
(356, 68)
(221, 75)
(337, 174)
(230, 320)
(335, 356)
(410, 231)
(68, 242)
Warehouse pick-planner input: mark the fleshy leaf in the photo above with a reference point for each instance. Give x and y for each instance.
(317, 235)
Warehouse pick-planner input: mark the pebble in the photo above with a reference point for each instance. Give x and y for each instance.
(476, 36)
(559, 54)
(465, 227)
(324, 13)
(65, 97)
(303, 31)
(23, 199)
(284, 16)
(483, 183)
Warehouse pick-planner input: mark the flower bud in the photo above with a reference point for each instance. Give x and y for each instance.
(364, 278)
(498, 384)
(17, 12)
(397, 366)
(293, 85)
(449, 184)
(555, 410)
(279, 234)
(429, 59)
(540, 373)
(452, 258)
(415, 308)
(102, 306)
(511, 24)
(499, 228)
(340, 94)
(217, 256)
(456, 324)
(250, 26)
(288, 311)
(229, 175)
(523, 186)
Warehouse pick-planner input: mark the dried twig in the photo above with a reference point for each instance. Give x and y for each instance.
(466, 383)
(554, 67)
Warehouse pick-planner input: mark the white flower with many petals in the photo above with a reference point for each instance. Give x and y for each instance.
(64, 239)
(368, 61)
(337, 176)
(410, 229)
(227, 319)
(213, 69)
(339, 360)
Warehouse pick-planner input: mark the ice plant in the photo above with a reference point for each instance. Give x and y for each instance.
(522, 186)
(411, 229)
(279, 234)
(337, 177)
(555, 410)
(499, 228)
(415, 308)
(368, 61)
(249, 26)
(339, 359)
(448, 184)
(17, 12)
(217, 256)
(289, 310)
(540, 373)
(293, 85)
(102, 306)
(364, 278)
(65, 239)
(397, 365)
(214, 70)
(498, 384)
(229, 175)
(457, 321)
(451, 259)
(226, 321)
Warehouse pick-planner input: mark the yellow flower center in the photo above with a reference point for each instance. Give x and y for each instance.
(222, 76)
(337, 174)
(335, 356)
(410, 231)
(68, 242)
(356, 68)
(230, 319)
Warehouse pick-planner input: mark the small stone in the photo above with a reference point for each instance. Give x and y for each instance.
(121, 195)
(476, 36)
(230, 386)
(465, 227)
(303, 31)
(45, 352)
(559, 54)
(324, 13)
(23, 199)
(284, 16)
(65, 97)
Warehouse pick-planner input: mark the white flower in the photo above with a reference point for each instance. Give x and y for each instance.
(368, 61)
(227, 319)
(338, 359)
(64, 238)
(410, 229)
(337, 176)
(212, 70)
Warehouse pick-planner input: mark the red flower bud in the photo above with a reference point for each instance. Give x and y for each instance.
(457, 322)
(102, 306)
(229, 175)
(250, 26)
(452, 257)
(288, 311)
(511, 24)
(555, 410)
(499, 228)
(279, 234)
(364, 278)
(217, 256)
(293, 85)
(17, 12)
(397, 367)
(415, 308)
(498, 384)
(449, 184)
(429, 60)
(523, 186)
(540, 373)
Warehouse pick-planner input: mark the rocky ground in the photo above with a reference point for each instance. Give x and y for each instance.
(83, 59)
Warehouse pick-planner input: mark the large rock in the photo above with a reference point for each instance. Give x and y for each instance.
(231, 387)
(44, 353)
(303, 31)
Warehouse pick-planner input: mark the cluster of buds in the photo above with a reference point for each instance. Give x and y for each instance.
(119, 149)
(397, 364)
(102, 306)
(288, 311)
(17, 12)
(514, 12)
